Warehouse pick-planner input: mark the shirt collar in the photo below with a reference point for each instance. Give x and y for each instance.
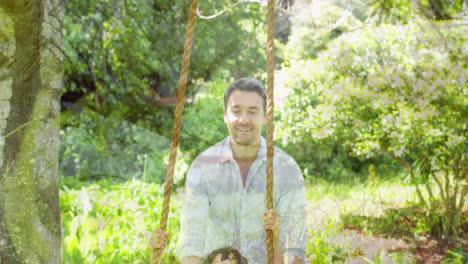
(227, 155)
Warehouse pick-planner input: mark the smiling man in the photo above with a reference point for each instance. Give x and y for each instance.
(224, 200)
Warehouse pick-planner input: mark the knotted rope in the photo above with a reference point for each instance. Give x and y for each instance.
(177, 119)
(270, 125)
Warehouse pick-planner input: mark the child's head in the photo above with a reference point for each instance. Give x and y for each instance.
(226, 255)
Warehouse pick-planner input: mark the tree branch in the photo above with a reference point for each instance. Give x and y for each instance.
(340, 21)
(410, 170)
(218, 13)
(431, 195)
(229, 8)
(464, 179)
(447, 181)
(440, 186)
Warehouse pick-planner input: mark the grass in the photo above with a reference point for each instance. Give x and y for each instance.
(374, 223)
(110, 222)
(328, 202)
(107, 222)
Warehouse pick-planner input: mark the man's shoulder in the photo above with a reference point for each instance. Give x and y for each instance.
(286, 169)
(279, 154)
(212, 155)
(204, 162)
(283, 157)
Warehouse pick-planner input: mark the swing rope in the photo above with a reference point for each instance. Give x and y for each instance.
(270, 125)
(178, 120)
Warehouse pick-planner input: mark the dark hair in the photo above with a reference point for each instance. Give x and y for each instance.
(247, 84)
(226, 253)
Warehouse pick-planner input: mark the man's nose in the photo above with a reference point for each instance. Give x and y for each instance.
(244, 118)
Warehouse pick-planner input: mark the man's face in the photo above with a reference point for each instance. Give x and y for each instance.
(244, 117)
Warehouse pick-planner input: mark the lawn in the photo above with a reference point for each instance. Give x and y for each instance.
(373, 223)
(108, 222)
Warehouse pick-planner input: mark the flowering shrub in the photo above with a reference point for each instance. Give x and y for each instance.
(395, 90)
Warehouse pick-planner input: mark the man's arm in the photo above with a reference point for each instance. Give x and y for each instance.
(291, 208)
(192, 260)
(194, 214)
(278, 258)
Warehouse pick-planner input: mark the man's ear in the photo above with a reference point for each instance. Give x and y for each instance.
(225, 117)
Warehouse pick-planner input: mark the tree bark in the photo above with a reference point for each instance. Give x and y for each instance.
(30, 86)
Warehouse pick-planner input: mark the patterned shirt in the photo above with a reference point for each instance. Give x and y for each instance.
(219, 211)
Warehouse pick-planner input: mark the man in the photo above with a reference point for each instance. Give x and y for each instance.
(224, 201)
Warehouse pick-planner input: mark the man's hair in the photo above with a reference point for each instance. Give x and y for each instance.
(247, 84)
(226, 252)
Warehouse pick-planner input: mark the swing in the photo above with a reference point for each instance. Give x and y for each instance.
(178, 120)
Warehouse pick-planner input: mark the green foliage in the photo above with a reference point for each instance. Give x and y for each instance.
(203, 124)
(456, 256)
(111, 223)
(314, 26)
(393, 11)
(442, 9)
(402, 11)
(304, 125)
(396, 90)
(122, 48)
(103, 147)
(320, 250)
(381, 68)
(378, 85)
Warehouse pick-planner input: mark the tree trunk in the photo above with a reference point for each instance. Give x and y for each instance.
(30, 85)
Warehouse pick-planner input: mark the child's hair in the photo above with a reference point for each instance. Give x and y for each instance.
(227, 253)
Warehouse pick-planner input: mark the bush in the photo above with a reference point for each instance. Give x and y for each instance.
(203, 124)
(102, 147)
(398, 91)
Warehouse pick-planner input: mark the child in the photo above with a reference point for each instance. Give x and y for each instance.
(226, 255)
